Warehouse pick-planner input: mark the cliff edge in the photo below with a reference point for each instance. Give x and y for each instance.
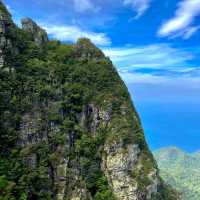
(68, 128)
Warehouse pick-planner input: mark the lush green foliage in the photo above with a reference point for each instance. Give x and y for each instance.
(181, 171)
(54, 82)
(43, 93)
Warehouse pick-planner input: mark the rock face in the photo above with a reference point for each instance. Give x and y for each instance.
(39, 35)
(117, 166)
(68, 128)
(96, 118)
(5, 23)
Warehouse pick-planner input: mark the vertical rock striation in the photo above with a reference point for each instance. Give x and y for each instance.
(5, 24)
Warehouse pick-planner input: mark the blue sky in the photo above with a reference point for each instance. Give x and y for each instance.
(155, 47)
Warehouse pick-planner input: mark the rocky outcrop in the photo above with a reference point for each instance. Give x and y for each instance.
(119, 164)
(32, 132)
(80, 194)
(86, 50)
(93, 117)
(5, 42)
(39, 35)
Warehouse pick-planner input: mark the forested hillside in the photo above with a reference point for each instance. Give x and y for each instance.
(181, 170)
(68, 128)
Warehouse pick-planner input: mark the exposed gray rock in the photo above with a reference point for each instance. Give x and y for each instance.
(86, 50)
(39, 35)
(118, 163)
(94, 117)
(5, 23)
(31, 128)
(153, 188)
(61, 178)
(80, 194)
(31, 160)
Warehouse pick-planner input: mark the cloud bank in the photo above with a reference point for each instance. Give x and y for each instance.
(157, 56)
(181, 25)
(72, 33)
(84, 5)
(155, 64)
(140, 6)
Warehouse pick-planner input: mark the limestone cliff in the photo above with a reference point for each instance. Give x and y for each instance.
(5, 24)
(39, 35)
(68, 128)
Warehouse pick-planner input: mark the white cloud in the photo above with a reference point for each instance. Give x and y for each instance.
(140, 6)
(72, 33)
(8, 8)
(11, 10)
(157, 56)
(180, 24)
(84, 5)
(154, 64)
(141, 78)
(190, 31)
(178, 81)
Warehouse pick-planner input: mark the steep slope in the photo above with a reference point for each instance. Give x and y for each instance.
(181, 170)
(68, 129)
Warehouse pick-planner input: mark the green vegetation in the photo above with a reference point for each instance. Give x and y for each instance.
(50, 80)
(180, 170)
(51, 83)
(166, 192)
(141, 174)
(46, 92)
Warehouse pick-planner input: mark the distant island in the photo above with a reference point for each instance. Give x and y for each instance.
(181, 170)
